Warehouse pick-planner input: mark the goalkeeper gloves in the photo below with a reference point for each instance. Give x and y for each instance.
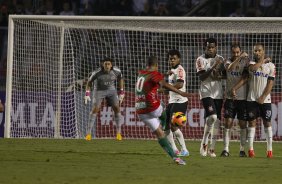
(87, 97)
(121, 96)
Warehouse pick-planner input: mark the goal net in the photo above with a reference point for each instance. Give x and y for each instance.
(50, 57)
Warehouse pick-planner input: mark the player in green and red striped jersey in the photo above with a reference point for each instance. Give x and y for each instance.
(148, 105)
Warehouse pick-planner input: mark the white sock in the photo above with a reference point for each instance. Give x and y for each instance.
(170, 139)
(268, 135)
(214, 134)
(207, 131)
(243, 134)
(251, 136)
(226, 139)
(179, 137)
(117, 120)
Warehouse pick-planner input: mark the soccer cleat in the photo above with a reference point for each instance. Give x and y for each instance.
(225, 153)
(177, 153)
(184, 153)
(269, 154)
(212, 153)
(242, 154)
(251, 153)
(204, 150)
(88, 137)
(179, 161)
(119, 137)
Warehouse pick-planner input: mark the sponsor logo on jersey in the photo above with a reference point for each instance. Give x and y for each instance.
(235, 73)
(260, 74)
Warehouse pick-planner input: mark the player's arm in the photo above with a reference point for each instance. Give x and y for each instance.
(179, 84)
(240, 83)
(256, 66)
(269, 85)
(235, 63)
(204, 74)
(172, 88)
(266, 91)
(121, 93)
(88, 87)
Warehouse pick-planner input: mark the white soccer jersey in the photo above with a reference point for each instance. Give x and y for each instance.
(258, 81)
(178, 73)
(234, 76)
(209, 87)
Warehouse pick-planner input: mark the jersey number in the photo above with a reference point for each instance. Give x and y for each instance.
(140, 84)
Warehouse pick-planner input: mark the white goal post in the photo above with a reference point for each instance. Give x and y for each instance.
(49, 58)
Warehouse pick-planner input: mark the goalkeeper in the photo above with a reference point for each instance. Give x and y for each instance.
(105, 81)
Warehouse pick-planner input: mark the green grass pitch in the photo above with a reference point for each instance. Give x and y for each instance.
(49, 161)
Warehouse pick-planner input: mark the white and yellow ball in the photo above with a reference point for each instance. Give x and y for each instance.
(178, 119)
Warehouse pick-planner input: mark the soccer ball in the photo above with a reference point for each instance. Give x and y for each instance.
(178, 119)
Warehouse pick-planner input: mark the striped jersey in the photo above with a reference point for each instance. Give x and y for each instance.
(178, 75)
(258, 81)
(146, 87)
(209, 87)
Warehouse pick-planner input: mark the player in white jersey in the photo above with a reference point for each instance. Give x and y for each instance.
(177, 103)
(260, 82)
(104, 80)
(210, 69)
(236, 67)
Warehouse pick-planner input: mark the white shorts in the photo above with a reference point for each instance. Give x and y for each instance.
(152, 119)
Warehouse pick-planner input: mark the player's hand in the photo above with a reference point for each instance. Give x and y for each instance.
(169, 72)
(233, 94)
(268, 59)
(244, 55)
(121, 96)
(184, 94)
(261, 99)
(87, 97)
(216, 75)
(218, 61)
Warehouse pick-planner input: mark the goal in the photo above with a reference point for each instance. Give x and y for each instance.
(50, 57)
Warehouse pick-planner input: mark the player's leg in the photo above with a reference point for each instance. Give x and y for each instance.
(163, 116)
(228, 122)
(266, 116)
(211, 118)
(112, 100)
(152, 121)
(242, 117)
(168, 132)
(243, 137)
(97, 99)
(252, 114)
(214, 133)
(180, 107)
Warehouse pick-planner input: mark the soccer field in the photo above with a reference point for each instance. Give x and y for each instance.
(45, 161)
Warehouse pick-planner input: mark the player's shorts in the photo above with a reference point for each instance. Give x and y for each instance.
(151, 119)
(173, 108)
(110, 96)
(235, 107)
(255, 110)
(212, 106)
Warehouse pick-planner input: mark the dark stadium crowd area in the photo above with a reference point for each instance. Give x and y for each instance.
(271, 8)
(188, 8)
